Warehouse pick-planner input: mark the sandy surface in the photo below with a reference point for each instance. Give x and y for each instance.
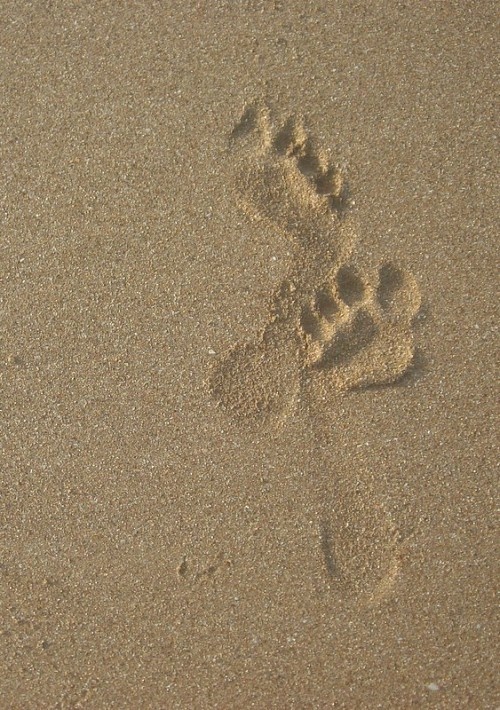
(248, 354)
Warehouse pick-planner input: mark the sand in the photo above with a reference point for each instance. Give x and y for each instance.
(248, 317)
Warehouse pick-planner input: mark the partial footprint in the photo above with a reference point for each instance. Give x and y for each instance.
(257, 380)
(292, 187)
(364, 336)
(359, 549)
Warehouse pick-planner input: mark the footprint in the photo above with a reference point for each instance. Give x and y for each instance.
(325, 315)
(361, 333)
(292, 187)
(359, 548)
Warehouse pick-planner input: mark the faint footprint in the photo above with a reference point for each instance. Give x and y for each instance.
(360, 551)
(205, 571)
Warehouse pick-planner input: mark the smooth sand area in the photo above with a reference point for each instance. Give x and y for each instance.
(247, 354)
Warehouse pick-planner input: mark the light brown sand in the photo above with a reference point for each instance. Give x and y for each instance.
(247, 356)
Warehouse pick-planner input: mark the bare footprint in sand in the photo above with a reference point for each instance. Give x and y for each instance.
(326, 320)
(359, 549)
(324, 316)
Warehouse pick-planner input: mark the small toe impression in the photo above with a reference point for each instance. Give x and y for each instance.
(246, 124)
(351, 288)
(330, 182)
(397, 290)
(291, 139)
(252, 128)
(325, 304)
(308, 163)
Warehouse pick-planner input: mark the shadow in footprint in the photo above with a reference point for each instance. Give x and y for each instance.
(246, 124)
(350, 340)
(350, 285)
(391, 280)
(326, 543)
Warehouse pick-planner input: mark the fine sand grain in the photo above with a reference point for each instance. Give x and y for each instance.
(248, 355)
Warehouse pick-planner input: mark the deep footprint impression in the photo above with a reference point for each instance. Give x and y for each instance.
(326, 316)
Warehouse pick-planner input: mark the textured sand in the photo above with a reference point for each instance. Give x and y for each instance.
(248, 311)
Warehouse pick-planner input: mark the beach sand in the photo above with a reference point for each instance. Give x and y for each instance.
(248, 310)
